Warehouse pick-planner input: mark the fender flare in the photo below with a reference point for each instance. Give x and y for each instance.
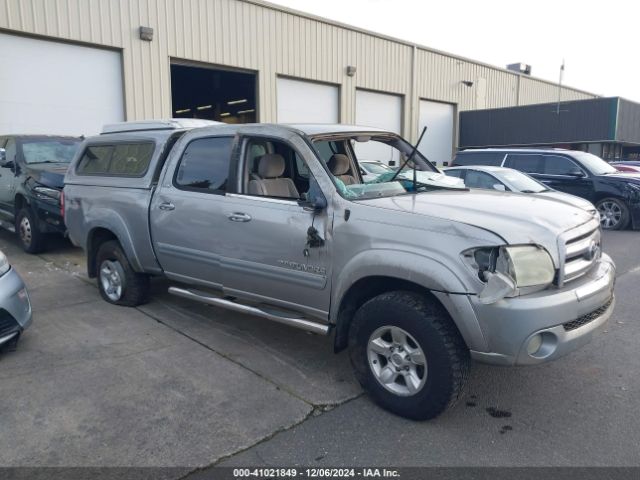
(428, 273)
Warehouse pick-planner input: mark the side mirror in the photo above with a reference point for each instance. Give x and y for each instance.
(3, 157)
(316, 205)
(577, 174)
(499, 187)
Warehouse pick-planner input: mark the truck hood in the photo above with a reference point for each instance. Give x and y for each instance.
(567, 198)
(48, 174)
(516, 217)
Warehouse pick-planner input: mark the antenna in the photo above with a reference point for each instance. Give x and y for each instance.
(560, 87)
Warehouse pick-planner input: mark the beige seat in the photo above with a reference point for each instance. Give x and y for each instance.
(268, 181)
(339, 166)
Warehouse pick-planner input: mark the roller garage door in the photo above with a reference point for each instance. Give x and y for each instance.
(307, 102)
(437, 144)
(381, 110)
(57, 88)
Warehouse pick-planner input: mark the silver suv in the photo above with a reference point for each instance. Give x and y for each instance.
(412, 272)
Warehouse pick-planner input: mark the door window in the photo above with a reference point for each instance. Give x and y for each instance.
(274, 170)
(204, 166)
(475, 179)
(478, 158)
(525, 162)
(556, 165)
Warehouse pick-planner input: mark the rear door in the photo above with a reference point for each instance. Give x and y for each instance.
(188, 211)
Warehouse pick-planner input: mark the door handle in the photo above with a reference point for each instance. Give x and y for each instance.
(167, 206)
(238, 217)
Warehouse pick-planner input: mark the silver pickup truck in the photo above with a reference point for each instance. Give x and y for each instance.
(416, 275)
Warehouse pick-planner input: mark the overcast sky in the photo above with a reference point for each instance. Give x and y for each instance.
(599, 40)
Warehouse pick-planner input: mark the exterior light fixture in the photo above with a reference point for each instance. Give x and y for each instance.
(467, 83)
(351, 70)
(146, 33)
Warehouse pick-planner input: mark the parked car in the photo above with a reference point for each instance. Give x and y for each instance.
(615, 195)
(628, 167)
(32, 169)
(414, 278)
(510, 180)
(15, 307)
(371, 169)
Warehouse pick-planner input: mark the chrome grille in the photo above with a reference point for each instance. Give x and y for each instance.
(582, 249)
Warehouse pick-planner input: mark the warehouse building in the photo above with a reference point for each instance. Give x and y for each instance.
(70, 66)
(606, 127)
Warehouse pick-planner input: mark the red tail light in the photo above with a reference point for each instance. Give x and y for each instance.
(62, 204)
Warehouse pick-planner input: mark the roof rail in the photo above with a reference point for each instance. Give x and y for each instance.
(146, 125)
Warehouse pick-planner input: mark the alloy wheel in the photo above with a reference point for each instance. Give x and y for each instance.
(26, 235)
(397, 361)
(112, 279)
(610, 214)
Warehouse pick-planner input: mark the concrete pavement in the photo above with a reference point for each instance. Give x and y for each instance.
(175, 383)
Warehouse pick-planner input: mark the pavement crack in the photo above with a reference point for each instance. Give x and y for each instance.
(316, 411)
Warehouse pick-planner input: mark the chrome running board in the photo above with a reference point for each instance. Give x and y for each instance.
(209, 299)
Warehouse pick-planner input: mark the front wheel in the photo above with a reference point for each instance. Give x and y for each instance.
(408, 355)
(31, 238)
(614, 214)
(117, 281)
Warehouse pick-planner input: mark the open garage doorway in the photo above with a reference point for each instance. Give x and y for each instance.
(213, 94)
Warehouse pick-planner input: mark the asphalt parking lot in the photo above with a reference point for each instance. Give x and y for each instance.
(175, 383)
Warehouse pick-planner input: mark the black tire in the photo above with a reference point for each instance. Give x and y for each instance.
(134, 286)
(31, 238)
(613, 205)
(447, 356)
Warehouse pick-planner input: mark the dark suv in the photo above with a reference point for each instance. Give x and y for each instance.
(615, 194)
(32, 169)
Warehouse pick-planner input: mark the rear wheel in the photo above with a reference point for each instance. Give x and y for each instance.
(408, 355)
(117, 281)
(31, 238)
(614, 214)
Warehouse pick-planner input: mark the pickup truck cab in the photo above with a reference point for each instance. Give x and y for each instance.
(414, 277)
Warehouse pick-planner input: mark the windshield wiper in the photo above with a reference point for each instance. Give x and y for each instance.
(413, 152)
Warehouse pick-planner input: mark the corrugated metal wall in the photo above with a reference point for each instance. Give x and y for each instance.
(273, 41)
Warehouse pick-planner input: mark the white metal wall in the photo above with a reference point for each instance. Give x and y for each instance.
(271, 40)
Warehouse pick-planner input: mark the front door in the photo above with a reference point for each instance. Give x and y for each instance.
(7, 181)
(563, 174)
(269, 253)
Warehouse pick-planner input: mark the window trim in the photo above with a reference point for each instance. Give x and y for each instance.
(77, 172)
(202, 190)
(527, 154)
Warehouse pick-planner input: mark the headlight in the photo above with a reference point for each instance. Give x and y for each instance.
(4, 264)
(46, 193)
(508, 270)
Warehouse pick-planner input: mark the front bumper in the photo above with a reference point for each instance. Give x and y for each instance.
(15, 306)
(560, 321)
(49, 218)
